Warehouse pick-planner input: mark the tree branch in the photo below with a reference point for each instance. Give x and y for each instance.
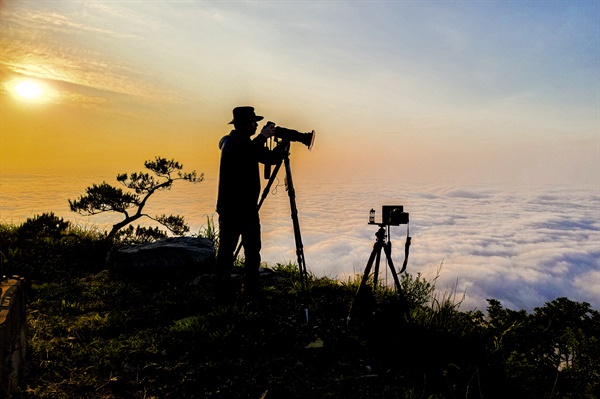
(106, 198)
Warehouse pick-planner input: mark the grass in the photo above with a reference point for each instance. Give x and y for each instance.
(93, 335)
(97, 337)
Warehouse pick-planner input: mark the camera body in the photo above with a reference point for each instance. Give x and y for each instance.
(392, 215)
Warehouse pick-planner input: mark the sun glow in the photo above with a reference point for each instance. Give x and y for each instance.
(28, 89)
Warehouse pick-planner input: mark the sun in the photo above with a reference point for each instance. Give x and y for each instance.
(28, 89)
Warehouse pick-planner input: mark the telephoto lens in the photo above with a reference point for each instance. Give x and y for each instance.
(308, 139)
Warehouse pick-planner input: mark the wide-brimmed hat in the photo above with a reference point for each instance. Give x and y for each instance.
(244, 114)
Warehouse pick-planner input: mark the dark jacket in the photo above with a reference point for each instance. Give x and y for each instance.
(239, 175)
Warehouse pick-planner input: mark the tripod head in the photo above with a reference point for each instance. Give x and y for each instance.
(382, 234)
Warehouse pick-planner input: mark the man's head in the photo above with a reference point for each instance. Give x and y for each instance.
(244, 119)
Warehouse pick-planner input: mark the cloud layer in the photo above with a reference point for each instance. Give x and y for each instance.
(523, 248)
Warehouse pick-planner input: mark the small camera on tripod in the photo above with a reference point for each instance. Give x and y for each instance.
(392, 215)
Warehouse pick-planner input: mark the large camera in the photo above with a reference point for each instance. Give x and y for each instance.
(284, 137)
(282, 133)
(392, 215)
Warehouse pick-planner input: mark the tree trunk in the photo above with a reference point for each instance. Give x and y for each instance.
(118, 226)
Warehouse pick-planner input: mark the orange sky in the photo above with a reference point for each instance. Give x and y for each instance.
(423, 91)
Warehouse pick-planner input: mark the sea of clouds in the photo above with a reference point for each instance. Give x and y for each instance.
(523, 247)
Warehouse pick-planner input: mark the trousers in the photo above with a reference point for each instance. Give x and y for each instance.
(232, 226)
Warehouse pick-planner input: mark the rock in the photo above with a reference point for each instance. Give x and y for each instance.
(174, 255)
(13, 336)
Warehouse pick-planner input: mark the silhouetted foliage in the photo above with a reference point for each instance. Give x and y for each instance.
(210, 231)
(46, 225)
(139, 235)
(554, 352)
(49, 247)
(171, 339)
(100, 198)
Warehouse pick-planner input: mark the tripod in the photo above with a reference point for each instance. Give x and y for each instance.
(284, 147)
(362, 298)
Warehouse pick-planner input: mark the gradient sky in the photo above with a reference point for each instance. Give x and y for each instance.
(478, 91)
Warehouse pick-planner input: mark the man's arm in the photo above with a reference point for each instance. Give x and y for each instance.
(264, 155)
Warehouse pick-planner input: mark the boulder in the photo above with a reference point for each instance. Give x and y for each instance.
(13, 335)
(170, 256)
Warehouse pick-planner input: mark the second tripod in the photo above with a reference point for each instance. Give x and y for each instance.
(380, 243)
(392, 215)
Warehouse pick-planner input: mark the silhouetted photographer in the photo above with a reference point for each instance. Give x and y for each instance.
(239, 189)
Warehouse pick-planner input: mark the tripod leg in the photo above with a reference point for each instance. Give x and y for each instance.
(388, 253)
(294, 215)
(375, 253)
(297, 234)
(364, 300)
(376, 273)
(264, 195)
(269, 184)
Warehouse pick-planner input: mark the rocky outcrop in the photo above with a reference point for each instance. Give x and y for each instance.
(170, 256)
(13, 335)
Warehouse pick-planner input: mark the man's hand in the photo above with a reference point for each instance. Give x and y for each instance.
(268, 130)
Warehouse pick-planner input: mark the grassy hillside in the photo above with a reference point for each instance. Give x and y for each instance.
(93, 335)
